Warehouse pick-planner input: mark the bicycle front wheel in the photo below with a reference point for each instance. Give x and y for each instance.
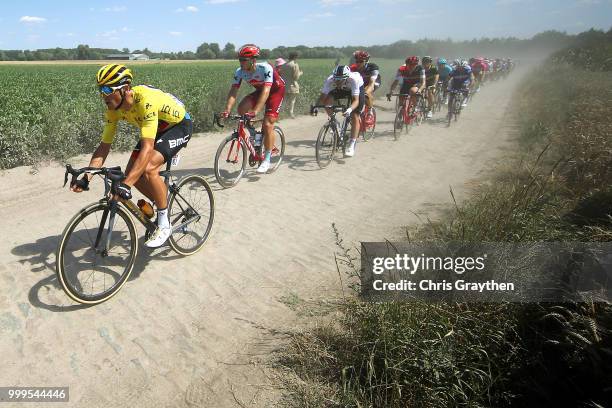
(278, 151)
(398, 124)
(230, 161)
(326, 146)
(96, 253)
(191, 212)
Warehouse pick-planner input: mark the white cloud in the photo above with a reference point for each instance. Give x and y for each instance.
(175, 33)
(193, 9)
(125, 29)
(327, 3)
(222, 1)
(116, 9)
(269, 28)
(31, 19)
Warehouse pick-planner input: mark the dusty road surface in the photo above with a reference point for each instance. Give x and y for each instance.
(183, 330)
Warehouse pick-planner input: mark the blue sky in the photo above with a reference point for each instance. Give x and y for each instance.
(183, 25)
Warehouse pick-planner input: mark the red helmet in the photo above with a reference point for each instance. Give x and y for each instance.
(412, 60)
(248, 51)
(361, 56)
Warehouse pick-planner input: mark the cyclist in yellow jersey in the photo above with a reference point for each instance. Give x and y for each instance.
(165, 128)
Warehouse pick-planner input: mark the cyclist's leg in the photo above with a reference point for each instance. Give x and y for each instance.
(248, 103)
(167, 145)
(273, 106)
(141, 184)
(356, 115)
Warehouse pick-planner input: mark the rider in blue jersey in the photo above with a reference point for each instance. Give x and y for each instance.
(444, 70)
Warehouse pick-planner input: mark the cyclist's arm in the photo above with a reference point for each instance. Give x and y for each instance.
(231, 98)
(436, 79)
(263, 97)
(354, 103)
(322, 98)
(370, 88)
(393, 85)
(98, 157)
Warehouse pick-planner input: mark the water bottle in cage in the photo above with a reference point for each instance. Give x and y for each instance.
(258, 139)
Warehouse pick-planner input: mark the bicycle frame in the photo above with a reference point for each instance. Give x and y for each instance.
(113, 177)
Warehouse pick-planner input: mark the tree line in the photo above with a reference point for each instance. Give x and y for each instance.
(509, 46)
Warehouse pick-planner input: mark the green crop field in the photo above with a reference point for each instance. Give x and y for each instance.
(53, 111)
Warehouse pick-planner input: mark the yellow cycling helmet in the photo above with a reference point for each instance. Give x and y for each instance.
(114, 75)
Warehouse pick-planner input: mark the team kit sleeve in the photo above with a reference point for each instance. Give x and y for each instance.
(327, 86)
(237, 78)
(268, 75)
(110, 128)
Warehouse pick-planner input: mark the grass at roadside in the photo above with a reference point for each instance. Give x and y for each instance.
(558, 187)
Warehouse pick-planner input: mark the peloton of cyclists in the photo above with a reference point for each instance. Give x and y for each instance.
(269, 93)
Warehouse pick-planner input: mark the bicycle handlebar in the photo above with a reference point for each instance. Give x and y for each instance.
(217, 119)
(114, 174)
(334, 108)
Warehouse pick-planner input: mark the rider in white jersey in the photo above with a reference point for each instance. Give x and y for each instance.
(341, 84)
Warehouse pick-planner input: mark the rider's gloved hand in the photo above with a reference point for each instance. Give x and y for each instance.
(80, 185)
(250, 115)
(124, 191)
(347, 112)
(224, 114)
(313, 111)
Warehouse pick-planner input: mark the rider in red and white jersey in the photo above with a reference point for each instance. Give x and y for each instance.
(269, 92)
(411, 76)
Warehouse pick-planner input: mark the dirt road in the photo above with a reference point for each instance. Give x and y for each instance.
(183, 330)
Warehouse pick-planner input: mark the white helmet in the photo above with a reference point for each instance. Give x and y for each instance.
(341, 72)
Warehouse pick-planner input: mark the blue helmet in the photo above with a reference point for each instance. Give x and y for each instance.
(441, 61)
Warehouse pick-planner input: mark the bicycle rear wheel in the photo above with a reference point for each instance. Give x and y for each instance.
(191, 212)
(278, 151)
(230, 161)
(368, 124)
(326, 146)
(86, 270)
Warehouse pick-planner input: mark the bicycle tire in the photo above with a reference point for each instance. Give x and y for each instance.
(224, 180)
(274, 162)
(64, 275)
(398, 124)
(185, 210)
(326, 140)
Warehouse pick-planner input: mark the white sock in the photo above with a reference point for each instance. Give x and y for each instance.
(353, 141)
(162, 218)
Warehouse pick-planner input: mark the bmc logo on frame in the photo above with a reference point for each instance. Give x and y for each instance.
(177, 142)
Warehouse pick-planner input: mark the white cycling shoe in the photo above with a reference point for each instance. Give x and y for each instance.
(464, 104)
(350, 151)
(263, 167)
(159, 237)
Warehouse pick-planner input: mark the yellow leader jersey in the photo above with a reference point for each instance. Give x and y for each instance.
(153, 111)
